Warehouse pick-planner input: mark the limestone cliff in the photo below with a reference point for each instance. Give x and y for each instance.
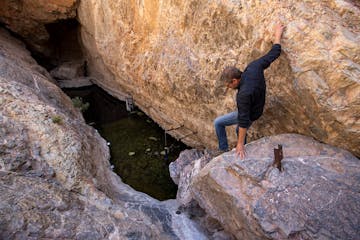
(168, 55)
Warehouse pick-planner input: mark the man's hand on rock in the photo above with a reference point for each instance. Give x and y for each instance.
(279, 29)
(240, 151)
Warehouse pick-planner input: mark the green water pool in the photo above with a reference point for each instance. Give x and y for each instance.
(137, 144)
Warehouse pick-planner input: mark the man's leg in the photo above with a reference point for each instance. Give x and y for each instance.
(220, 123)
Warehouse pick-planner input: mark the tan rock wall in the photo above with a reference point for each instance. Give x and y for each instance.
(168, 55)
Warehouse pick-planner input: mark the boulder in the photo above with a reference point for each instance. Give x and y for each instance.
(71, 75)
(315, 196)
(171, 54)
(68, 70)
(185, 158)
(183, 171)
(56, 181)
(75, 82)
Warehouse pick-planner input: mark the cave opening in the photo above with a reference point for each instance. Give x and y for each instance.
(62, 46)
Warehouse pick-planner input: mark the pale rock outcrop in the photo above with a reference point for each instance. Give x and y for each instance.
(315, 196)
(55, 177)
(168, 55)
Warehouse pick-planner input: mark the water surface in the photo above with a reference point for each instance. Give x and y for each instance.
(137, 144)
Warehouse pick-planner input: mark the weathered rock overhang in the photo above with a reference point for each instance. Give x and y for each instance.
(168, 56)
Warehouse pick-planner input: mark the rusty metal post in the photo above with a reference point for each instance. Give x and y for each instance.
(278, 156)
(174, 128)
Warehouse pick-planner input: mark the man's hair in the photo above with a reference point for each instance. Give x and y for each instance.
(229, 73)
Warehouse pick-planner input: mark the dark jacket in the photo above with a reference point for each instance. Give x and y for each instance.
(250, 97)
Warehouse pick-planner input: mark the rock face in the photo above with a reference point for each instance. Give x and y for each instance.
(184, 169)
(185, 158)
(316, 196)
(55, 176)
(28, 18)
(168, 55)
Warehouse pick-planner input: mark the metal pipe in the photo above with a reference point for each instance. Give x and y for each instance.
(278, 156)
(193, 133)
(174, 128)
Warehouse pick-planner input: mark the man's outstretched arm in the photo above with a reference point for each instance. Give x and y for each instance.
(275, 51)
(268, 58)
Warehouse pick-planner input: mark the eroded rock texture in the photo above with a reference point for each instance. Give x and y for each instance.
(168, 55)
(55, 177)
(316, 196)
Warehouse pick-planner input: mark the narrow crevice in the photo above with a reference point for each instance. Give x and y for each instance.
(63, 42)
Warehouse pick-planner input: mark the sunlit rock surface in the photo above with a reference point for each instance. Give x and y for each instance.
(168, 55)
(315, 196)
(55, 178)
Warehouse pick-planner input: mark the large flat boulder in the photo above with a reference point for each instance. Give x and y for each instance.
(169, 55)
(315, 196)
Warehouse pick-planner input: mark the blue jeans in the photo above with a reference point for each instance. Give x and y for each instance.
(220, 123)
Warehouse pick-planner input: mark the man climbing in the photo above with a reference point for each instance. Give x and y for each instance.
(250, 96)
